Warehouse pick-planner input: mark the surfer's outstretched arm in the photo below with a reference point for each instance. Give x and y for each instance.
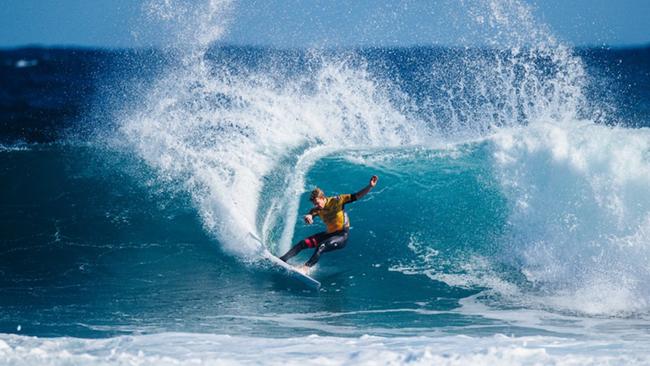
(366, 189)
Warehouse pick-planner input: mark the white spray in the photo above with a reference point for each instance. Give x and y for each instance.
(222, 134)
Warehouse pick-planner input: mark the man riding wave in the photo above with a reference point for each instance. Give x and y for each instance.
(332, 211)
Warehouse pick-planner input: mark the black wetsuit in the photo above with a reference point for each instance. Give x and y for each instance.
(338, 225)
(323, 242)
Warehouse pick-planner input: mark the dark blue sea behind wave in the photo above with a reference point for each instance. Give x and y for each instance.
(47, 92)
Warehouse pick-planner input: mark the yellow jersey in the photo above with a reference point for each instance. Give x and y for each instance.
(333, 214)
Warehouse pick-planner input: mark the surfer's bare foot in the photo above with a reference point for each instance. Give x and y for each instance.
(303, 269)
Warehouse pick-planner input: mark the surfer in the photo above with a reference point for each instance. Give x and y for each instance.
(331, 211)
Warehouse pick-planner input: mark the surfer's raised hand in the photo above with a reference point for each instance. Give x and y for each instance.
(373, 181)
(366, 189)
(309, 219)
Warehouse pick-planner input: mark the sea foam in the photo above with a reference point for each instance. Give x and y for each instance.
(211, 349)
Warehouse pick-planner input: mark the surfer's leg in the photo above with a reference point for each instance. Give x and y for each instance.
(294, 251)
(310, 242)
(333, 242)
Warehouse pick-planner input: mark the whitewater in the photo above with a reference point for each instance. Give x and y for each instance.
(510, 224)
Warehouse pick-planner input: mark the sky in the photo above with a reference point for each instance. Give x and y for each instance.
(302, 23)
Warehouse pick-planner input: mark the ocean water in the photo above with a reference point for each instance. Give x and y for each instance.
(510, 224)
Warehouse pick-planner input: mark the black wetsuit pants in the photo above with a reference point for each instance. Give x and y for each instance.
(323, 242)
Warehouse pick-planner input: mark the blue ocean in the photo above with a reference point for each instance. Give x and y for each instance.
(510, 224)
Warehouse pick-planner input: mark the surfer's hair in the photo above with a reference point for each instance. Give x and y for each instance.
(316, 193)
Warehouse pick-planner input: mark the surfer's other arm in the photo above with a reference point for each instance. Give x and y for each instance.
(309, 218)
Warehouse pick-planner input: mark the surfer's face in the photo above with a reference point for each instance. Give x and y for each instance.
(319, 202)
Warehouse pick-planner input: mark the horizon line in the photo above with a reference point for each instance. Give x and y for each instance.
(217, 44)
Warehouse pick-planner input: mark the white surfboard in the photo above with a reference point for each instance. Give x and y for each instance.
(291, 271)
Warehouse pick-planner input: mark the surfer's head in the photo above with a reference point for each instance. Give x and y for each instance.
(317, 197)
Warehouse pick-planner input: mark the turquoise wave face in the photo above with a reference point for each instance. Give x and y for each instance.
(443, 204)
